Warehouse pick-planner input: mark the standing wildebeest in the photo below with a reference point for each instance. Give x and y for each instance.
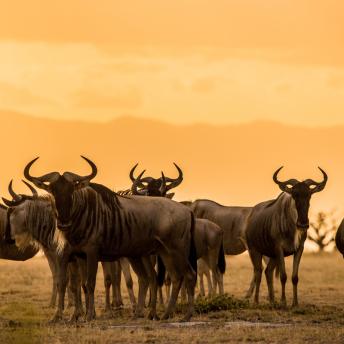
(208, 235)
(278, 228)
(34, 221)
(340, 238)
(8, 250)
(232, 220)
(105, 226)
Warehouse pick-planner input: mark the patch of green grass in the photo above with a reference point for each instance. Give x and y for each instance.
(217, 303)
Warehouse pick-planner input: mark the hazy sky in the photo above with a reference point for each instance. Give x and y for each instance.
(183, 61)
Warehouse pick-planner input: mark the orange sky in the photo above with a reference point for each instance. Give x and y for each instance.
(182, 61)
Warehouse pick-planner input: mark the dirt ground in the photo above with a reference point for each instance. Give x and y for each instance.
(25, 293)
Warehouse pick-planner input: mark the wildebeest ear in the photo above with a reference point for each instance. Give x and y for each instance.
(7, 202)
(170, 195)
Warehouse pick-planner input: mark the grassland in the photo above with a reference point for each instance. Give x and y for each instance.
(24, 315)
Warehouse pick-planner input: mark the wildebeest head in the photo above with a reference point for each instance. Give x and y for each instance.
(62, 188)
(149, 186)
(301, 193)
(15, 227)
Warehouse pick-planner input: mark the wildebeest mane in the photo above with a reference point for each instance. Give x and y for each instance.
(39, 220)
(108, 196)
(273, 201)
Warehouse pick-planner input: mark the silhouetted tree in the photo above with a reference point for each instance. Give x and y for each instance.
(323, 230)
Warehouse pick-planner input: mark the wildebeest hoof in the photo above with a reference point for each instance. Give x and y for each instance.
(186, 318)
(138, 316)
(283, 304)
(55, 319)
(153, 316)
(166, 316)
(90, 316)
(74, 318)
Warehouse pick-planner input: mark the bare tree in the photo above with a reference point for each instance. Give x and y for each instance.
(323, 230)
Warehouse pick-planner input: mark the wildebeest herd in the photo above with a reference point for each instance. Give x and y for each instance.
(78, 223)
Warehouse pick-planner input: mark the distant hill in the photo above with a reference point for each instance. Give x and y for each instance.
(232, 164)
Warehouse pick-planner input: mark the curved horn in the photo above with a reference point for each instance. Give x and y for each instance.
(132, 177)
(134, 187)
(174, 182)
(131, 173)
(163, 187)
(318, 186)
(284, 186)
(40, 181)
(9, 203)
(33, 190)
(94, 169)
(73, 177)
(15, 196)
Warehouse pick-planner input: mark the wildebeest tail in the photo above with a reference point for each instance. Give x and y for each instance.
(161, 271)
(221, 262)
(192, 252)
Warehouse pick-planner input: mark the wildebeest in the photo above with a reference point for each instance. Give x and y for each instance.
(32, 222)
(8, 250)
(232, 220)
(278, 228)
(208, 235)
(340, 238)
(149, 186)
(32, 219)
(104, 226)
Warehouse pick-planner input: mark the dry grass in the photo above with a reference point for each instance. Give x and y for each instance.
(25, 292)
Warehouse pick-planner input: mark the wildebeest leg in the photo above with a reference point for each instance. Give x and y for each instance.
(161, 296)
(116, 277)
(256, 259)
(201, 284)
(107, 284)
(153, 283)
(283, 274)
(251, 287)
(143, 281)
(62, 263)
(295, 275)
(190, 279)
(74, 285)
(70, 295)
(83, 276)
(183, 293)
(51, 258)
(168, 287)
(269, 279)
(92, 267)
(209, 282)
(125, 266)
(173, 266)
(176, 285)
(215, 272)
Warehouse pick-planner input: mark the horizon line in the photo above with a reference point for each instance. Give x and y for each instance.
(166, 122)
